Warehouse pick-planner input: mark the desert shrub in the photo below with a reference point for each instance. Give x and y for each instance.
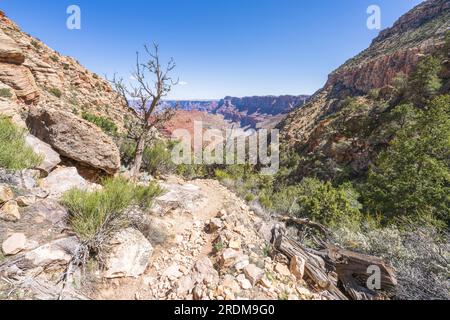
(54, 58)
(157, 158)
(56, 92)
(5, 93)
(94, 215)
(107, 125)
(319, 201)
(15, 154)
(418, 251)
(35, 44)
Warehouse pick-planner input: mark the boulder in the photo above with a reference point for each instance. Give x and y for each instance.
(244, 283)
(10, 211)
(6, 194)
(56, 253)
(63, 179)
(129, 255)
(14, 244)
(50, 157)
(74, 138)
(253, 273)
(228, 257)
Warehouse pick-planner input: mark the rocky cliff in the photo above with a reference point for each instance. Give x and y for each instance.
(249, 111)
(36, 74)
(313, 130)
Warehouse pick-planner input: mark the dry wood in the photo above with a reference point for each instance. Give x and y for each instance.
(336, 268)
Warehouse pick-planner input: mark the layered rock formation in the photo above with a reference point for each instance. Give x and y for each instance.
(312, 130)
(249, 111)
(38, 75)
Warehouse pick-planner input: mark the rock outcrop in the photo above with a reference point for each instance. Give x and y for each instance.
(37, 74)
(74, 138)
(311, 130)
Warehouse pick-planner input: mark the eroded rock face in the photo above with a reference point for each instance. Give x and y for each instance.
(74, 138)
(32, 70)
(129, 255)
(10, 52)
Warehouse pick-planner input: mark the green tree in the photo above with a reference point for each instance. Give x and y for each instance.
(424, 82)
(412, 177)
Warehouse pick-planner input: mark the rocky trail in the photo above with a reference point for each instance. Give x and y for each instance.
(211, 251)
(199, 241)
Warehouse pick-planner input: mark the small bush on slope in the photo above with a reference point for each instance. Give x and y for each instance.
(419, 252)
(107, 125)
(95, 215)
(14, 153)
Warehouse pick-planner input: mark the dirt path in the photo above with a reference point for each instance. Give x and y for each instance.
(185, 242)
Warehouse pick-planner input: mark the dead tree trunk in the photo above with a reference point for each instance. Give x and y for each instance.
(342, 273)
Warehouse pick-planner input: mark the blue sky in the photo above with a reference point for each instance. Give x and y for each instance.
(221, 47)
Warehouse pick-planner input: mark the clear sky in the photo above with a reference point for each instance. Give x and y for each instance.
(221, 47)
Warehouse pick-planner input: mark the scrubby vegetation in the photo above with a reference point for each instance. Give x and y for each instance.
(15, 154)
(5, 93)
(156, 158)
(107, 125)
(56, 92)
(99, 212)
(399, 209)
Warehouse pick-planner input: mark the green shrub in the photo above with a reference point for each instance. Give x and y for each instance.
(107, 125)
(14, 152)
(54, 58)
(5, 93)
(157, 158)
(319, 201)
(56, 92)
(98, 213)
(412, 177)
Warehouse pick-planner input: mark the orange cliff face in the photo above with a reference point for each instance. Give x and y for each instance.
(38, 75)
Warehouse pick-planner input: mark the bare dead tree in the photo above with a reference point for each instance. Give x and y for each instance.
(144, 99)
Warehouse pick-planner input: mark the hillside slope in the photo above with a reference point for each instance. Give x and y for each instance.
(397, 50)
(38, 75)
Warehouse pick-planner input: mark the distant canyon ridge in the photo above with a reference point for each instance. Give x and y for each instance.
(247, 112)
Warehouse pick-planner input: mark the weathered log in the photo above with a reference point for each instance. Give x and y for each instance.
(315, 266)
(354, 269)
(337, 268)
